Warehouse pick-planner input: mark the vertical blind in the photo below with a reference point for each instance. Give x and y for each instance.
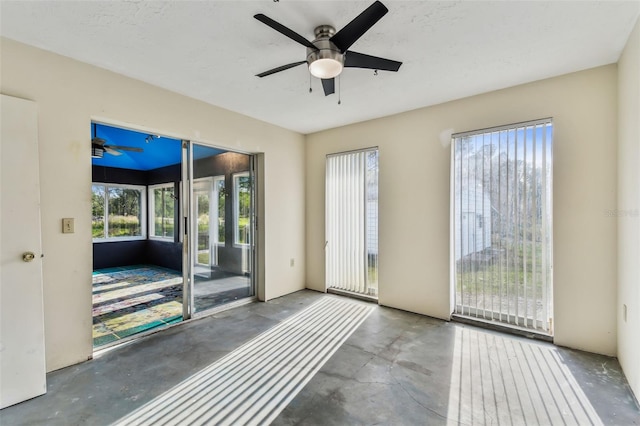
(502, 224)
(351, 221)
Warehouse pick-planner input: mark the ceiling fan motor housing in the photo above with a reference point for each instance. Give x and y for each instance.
(328, 54)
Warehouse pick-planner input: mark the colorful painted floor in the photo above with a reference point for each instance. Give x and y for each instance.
(131, 299)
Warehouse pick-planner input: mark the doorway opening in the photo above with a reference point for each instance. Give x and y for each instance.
(149, 200)
(220, 257)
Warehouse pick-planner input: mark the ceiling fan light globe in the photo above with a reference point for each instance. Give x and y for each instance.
(325, 68)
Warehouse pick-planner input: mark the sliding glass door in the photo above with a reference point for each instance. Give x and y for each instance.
(218, 206)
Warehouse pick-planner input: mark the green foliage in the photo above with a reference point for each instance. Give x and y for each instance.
(164, 211)
(203, 204)
(372, 276)
(244, 209)
(203, 257)
(97, 204)
(125, 202)
(203, 222)
(507, 271)
(164, 227)
(124, 226)
(243, 230)
(97, 228)
(221, 229)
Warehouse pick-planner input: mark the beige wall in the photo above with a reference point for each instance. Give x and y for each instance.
(628, 208)
(414, 198)
(414, 261)
(69, 94)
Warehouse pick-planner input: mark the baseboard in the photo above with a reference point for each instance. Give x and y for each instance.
(353, 295)
(505, 328)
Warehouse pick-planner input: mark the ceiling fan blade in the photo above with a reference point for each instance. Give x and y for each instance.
(112, 152)
(284, 30)
(123, 148)
(282, 68)
(348, 35)
(360, 60)
(329, 86)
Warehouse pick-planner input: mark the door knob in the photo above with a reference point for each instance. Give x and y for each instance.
(28, 256)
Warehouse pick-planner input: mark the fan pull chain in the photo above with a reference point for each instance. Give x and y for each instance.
(310, 89)
(339, 89)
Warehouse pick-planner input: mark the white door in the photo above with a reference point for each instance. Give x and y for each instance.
(22, 357)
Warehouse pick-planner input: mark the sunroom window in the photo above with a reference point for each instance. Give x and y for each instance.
(162, 203)
(242, 196)
(118, 212)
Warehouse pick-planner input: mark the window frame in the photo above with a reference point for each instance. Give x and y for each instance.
(357, 274)
(529, 259)
(152, 210)
(216, 193)
(236, 208)
(143, 208)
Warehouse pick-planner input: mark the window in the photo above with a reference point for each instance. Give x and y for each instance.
(351, 221)
(162, 205)
(118, 212)
(209, 197)
(502, 260)
(242, 207)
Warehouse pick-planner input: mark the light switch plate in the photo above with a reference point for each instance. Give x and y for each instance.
(67, 225)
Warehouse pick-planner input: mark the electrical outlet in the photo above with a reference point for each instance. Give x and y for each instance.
(624, 312)
(67, 225)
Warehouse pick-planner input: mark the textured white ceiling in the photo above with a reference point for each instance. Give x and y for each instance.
(211, 50)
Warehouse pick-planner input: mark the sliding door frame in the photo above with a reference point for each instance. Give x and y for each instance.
(186, 232)
(189, 231)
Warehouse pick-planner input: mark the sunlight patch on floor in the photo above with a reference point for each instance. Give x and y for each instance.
(501, 380)
(116, 306)
(124, 292)
(255, 382)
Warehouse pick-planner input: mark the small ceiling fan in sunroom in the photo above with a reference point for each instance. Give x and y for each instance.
(99, 146)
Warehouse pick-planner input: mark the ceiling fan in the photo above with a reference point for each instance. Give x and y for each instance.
(328, 53)
(99, 146)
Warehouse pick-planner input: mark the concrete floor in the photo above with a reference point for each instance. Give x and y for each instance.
(396, 368)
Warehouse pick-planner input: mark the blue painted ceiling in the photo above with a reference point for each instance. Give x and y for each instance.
(157, 151)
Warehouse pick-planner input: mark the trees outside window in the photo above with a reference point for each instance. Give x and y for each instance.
(162, 200)
(220, 191)
(242, 207)
(502, 224)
